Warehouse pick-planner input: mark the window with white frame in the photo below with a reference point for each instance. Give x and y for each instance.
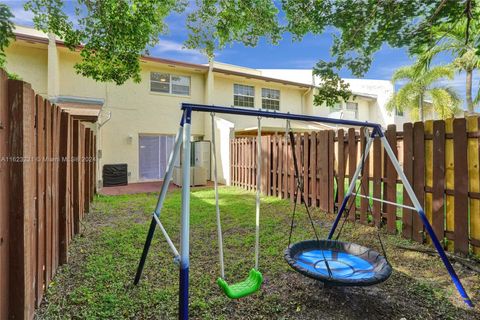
(169, 83)
(270, 99)
(353, 106)
(243, 96)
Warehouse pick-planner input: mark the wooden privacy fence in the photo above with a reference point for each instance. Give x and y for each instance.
(440, 159)
(47, 174)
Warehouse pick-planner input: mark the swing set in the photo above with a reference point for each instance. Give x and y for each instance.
(330, 261)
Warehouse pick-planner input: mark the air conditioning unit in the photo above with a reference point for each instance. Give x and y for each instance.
(198, 176)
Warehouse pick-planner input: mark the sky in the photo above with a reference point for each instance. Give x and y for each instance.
(288, 54)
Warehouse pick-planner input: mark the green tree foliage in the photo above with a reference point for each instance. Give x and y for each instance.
(451, 38)
(6, 31)
(422, 84)
(214, 24)
(116, 32)
(113, 33)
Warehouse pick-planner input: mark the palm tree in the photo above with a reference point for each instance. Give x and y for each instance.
(423, 84)
(451, 38)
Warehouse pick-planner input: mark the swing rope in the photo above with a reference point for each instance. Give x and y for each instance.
(257, 200)
(217, 206)
(299, 189)
(255, 278)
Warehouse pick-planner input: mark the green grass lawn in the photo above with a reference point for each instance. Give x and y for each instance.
(97, 282)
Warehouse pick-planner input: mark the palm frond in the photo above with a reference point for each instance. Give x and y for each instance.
(406, 99)
(403, 73)
(438, 73)
(445, 101)
(477, 97)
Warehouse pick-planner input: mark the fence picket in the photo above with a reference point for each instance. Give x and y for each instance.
(438, 173)
(22, 186)
(365, 189)
(418, 176)
(41, 236)
(474, 181)
(352, 166)
(390, 185)
(407, 218)
(4, 203)
(377, 180)
(313, 169)
(461, 186)
(341, 167)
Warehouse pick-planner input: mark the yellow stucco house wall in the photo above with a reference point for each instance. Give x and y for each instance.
(133, 111)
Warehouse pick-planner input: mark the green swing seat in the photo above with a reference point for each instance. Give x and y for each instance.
(241, 289)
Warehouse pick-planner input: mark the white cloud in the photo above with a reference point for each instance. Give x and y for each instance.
(21, 16)
(172, 48)
(459, 82)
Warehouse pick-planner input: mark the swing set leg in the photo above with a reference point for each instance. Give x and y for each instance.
(161, 199)
(146, 247)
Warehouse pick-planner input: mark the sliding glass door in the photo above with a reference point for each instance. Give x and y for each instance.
(154, 151)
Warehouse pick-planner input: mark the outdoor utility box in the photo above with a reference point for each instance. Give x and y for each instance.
(198, 176)
(115, 175)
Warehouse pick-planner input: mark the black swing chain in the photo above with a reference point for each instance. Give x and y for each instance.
(299, 188)
(369, 209)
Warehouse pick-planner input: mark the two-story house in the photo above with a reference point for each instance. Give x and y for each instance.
(138, 121)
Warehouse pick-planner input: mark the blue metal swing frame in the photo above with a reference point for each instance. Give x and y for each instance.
(183, 137)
